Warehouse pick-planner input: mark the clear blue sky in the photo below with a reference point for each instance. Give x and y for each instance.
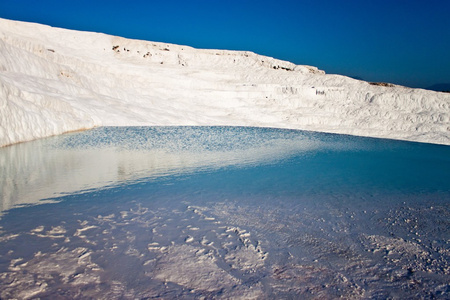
(399, 41)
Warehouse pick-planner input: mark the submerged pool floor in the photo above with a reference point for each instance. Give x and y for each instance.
(223, 212)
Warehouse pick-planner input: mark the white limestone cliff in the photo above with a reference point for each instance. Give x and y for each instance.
(56, 80)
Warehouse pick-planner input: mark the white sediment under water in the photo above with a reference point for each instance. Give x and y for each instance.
(223, 212)
(55, 80)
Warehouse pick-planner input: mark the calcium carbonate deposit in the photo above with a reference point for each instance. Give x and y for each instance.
(55, 80)
(223, 213)
(242, 207)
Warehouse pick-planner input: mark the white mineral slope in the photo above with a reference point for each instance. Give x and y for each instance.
(55, 80)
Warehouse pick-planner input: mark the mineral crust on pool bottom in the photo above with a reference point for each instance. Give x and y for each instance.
(328, 217)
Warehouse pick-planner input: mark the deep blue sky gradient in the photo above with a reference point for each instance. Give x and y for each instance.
(400, 41)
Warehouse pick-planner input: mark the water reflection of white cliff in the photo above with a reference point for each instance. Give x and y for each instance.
(36, 171)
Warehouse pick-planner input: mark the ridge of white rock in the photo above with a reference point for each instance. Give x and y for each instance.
(55, 80)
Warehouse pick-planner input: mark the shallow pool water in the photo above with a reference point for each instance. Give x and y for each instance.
(223, 212)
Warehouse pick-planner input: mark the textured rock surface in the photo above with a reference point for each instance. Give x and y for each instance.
(55, 80)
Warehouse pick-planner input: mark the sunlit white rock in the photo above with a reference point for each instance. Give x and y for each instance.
(55, 80)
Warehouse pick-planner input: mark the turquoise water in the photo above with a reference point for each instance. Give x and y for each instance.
(223, 212)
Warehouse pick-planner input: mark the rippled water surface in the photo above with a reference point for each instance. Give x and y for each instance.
(223, 212)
